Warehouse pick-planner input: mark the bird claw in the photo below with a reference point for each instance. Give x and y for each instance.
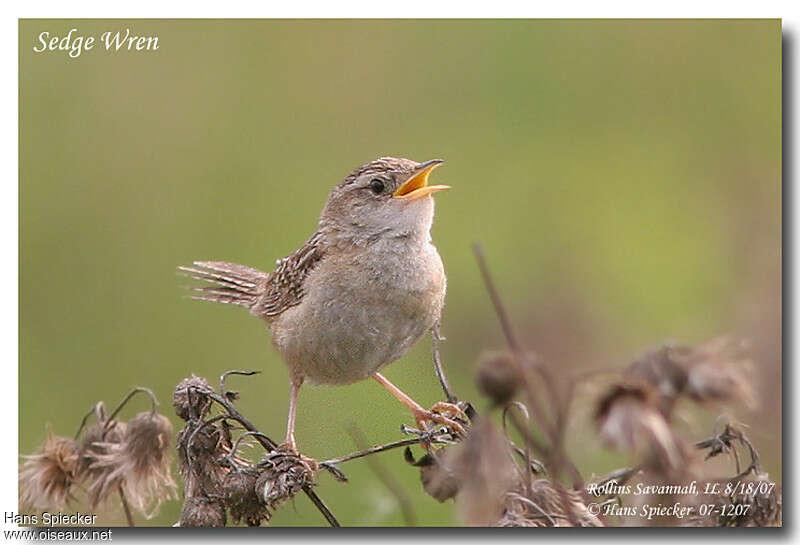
(288, 447)
(435, 415)
(451, 408)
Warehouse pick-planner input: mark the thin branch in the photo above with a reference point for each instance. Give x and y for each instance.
(516, 348)
(425, 437)
(226, 374)
(98, 410)
(437, 364)
(126, 508)
(553, 430)
(138, 389)
(269, 444)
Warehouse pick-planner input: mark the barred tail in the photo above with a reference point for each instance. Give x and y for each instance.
(231, 282)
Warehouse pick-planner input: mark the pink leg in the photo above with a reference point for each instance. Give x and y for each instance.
(294, 390)
(420, 414)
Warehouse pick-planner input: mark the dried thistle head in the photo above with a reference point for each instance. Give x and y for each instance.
(498, 377)
(203, 512)
(628, 419)
(100, 479)
(437, 473)
(188, 399)
(486, 473)
(749, 503)
(140, 462)
(46, 475)
(665, 370)
(239, 488)
(545, 505)
(718, 372)
(282, 475)
(201, 471)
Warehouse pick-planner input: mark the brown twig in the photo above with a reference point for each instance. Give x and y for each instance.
(266, 442)
(126, 508)
(423, 438)
(437, 365)
(138, 389)
(514, 345)
(553, 430)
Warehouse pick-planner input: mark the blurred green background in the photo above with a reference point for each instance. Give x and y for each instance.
(624, 178)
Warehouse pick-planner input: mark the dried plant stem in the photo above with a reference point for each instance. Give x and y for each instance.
(437, 364)
(553, 430)
(516, 348)
(126, 508)
(426, 438)
(137, 390)
(386, 478)
(269, 445)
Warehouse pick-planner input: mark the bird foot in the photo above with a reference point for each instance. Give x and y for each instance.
(288, 451)
(437, 415)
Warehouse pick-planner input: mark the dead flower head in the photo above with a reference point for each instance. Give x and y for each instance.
(719, 372)
(498, 377)
(140, 462)
(753, 502)
(199, 450)
(545, 506)
(437, 473)
(203, 512)
(46, 475)
(283, 474)
(239, 488)
(628, 419)
(665, 370)
(188, 399)
(486, 473)
(101, 481)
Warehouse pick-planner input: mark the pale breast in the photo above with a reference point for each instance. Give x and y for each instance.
(361, 310)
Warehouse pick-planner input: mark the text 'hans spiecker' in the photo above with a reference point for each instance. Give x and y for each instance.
(74, 43)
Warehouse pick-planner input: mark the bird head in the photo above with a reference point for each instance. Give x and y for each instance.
(387, 197)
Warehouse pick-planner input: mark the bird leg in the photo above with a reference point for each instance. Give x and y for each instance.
(294, 390)
(422, 415)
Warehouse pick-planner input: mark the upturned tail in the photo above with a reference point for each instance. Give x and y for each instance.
(230, 282)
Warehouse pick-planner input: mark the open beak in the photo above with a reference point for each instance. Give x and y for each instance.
(417, 186)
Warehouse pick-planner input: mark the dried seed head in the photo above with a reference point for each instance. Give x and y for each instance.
(141, 462)
(752, 502)
(664, 369)
(202, 474)
(240, 496)
(486, 473)
(46, 475)
(498, 377)
(628, 419)
(188, 399)
(101, 479)
(283, 474)
(199, 511)
(719, 372)
(437, 473)
(545, 506)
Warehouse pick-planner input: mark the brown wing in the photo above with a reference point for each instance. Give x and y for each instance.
(264, 294)
(284, 287)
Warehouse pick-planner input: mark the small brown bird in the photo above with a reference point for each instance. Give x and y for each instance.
(359, 293)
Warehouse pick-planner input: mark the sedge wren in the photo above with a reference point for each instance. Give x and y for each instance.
(359, 293)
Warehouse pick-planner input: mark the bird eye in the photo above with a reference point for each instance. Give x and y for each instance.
(376, 186)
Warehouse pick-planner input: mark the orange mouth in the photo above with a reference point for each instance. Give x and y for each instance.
(417, 186)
